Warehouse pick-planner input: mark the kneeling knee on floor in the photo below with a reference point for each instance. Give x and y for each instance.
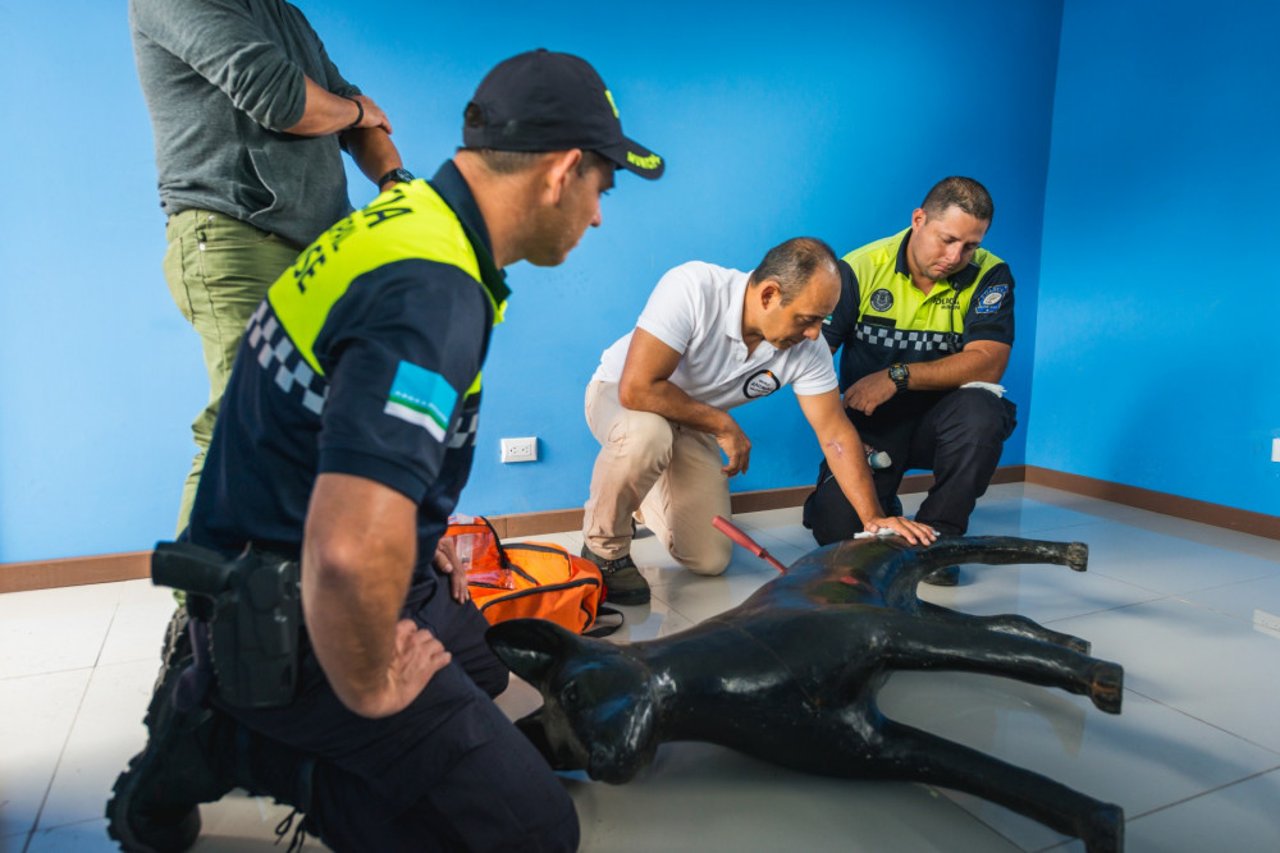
(709, 561)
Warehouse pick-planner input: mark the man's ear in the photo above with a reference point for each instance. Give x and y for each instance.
(918, 218)
(530, 647)
(560, 170)
(769, 294)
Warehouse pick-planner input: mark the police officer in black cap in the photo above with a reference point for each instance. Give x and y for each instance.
(346, 434)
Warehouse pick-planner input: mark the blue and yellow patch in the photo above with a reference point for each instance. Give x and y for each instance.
(422, 397)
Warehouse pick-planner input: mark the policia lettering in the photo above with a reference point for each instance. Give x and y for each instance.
(408, 220)
(385, 207)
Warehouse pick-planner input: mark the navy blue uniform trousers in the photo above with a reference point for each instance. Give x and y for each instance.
(956, 434)
(449, 772)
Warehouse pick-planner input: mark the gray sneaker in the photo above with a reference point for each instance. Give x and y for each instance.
(623, 583)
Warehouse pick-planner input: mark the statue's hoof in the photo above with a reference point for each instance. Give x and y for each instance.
(1105, 832)
(1106, 687)
(1078, 556)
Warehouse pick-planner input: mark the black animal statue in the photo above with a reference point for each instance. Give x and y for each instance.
(791, 676)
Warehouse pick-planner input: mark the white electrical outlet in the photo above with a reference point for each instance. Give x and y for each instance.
(520, 449)
(1275, 450)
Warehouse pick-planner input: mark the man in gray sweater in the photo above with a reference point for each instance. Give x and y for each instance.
(250, 118)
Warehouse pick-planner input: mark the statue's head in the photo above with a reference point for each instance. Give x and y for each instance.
(599, 711)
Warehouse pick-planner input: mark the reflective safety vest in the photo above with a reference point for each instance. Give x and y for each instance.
(408, 221)
(897, 322)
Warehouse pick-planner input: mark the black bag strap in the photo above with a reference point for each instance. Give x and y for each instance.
(615, 620)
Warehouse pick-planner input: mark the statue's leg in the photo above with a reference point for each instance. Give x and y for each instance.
(989, 550)
(924, 642)
(1007, 623)
(910, 754)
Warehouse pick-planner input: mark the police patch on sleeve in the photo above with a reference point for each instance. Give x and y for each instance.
(760, 384)
(990, 298)
(882, 300)
(423, 398)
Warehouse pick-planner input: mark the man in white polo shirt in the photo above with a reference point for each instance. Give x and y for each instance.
(709, 339)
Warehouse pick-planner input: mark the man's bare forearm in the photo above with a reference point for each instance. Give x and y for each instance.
(667, 399)
(848, 463)
(970, 365)
(356, 565)
(373, 151)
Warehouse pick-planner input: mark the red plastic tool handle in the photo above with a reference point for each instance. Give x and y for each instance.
(728, 528)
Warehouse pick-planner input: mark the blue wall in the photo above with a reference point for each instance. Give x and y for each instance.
(1155, 361)
(829, 119)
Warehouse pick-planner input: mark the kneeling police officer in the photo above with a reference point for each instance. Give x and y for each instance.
(345, 437)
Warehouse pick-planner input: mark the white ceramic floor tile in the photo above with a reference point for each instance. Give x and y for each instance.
(49, 630)
(36, 716)
(696, 597)
(239, 823)
(1021, 517)
(1039, 592)
(138, 624)
(108, 732)
(1242, 817)
(699, 797)
(1165, 563)
(1212, 667)
(88, 836)
(1146, 758)
(648, 621)
(1255, 602)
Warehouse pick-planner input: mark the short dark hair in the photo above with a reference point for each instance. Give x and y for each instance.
(964, 193)
(514, 162)
(792, 264)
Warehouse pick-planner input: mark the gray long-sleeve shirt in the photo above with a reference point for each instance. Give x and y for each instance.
(222, 78)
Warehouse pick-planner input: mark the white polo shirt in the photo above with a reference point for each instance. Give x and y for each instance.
(696, 309)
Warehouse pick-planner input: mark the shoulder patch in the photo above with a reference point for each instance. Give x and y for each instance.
(421, 397)
(990, 298)
(882, 300)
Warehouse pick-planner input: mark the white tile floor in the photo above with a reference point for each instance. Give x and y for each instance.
(1192, 612)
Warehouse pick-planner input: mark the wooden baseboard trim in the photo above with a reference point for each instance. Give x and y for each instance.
(77, 571)
(74, 571)
(1242, 520)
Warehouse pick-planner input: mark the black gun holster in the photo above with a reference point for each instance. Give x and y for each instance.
(252, 606)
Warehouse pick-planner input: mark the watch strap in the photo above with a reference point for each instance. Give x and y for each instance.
(399, 174)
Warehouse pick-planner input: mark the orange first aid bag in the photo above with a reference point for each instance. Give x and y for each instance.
(528, 580)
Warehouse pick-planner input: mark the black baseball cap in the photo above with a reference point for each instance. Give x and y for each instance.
(546, 101)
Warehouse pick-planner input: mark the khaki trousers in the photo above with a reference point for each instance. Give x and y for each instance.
(218, 269)
(669, 472)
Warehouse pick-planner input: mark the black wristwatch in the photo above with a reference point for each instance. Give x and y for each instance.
(899, 373)
(400, 175)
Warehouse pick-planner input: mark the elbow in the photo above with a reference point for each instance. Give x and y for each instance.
(630, 395)
(363, 704)
(993, 373)
(335, 565)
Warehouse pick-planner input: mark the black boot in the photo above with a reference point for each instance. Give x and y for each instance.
(153, 808)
